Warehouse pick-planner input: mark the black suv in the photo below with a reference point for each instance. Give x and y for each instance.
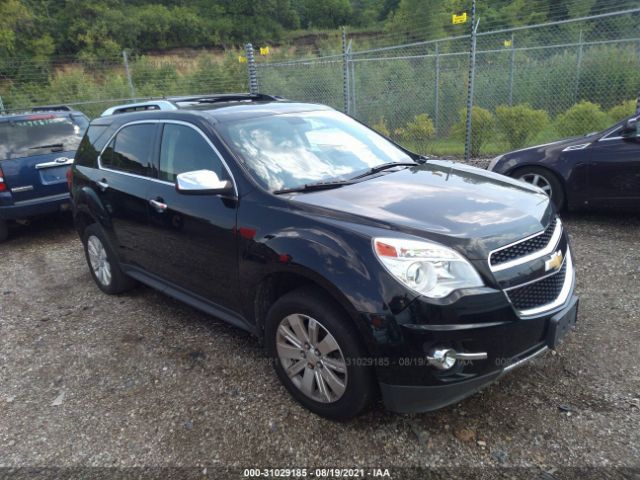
(364, 268)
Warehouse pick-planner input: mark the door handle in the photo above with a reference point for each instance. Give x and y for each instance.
(158, 204)
(102, 184)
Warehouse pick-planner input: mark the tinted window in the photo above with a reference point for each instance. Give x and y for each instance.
(183, 149)
(38, 134)
(131, 150)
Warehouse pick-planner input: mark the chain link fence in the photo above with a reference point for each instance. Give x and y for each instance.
(532, 84)
(92, 86)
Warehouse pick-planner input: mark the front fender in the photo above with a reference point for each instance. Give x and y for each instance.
(339, 261)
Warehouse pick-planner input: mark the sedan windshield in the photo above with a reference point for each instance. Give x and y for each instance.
(292, 150)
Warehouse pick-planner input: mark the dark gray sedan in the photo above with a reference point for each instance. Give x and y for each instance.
(597, 170)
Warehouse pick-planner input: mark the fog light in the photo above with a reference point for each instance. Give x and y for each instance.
(442, 358)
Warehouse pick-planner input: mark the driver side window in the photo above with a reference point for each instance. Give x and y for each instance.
(184, 149)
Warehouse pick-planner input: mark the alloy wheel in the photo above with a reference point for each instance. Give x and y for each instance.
(538, 181)
(311, 358)
(99, 260)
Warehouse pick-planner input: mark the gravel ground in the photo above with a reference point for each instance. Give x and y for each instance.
(88, 379)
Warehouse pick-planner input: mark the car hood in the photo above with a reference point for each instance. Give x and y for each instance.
(467, 208)
(549, 148)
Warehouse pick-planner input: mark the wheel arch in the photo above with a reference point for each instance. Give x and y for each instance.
(276, 284)
(512, 172)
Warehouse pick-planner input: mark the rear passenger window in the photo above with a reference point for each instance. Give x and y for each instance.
(130, 151)
(183, 149)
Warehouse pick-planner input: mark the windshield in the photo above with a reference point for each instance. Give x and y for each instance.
(291, 150)
(38, 134)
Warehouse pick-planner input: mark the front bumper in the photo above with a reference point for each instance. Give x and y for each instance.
(440, 390)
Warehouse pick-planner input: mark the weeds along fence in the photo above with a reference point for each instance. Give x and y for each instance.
(532, 84)
(93, 85)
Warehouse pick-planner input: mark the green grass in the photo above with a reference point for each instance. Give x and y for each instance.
(454, 148)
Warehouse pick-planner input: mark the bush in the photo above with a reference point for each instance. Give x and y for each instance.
(520, 124)
(625, 109)
(482, 128)
(381, 127)
(582, 118)
(420, 128)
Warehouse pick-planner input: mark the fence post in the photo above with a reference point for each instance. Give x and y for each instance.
(436, 100)
(1, 105)
(578, 68)
(345, 72)
(251, 68)
(352, 81)
(512, 62)
(353, 87)
(127, 71)
(472, 72)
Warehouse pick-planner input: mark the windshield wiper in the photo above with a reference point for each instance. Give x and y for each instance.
(310, 187)
(384, 166)
(51, 146)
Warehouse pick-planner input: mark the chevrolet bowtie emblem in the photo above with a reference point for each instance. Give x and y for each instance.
(554, 262)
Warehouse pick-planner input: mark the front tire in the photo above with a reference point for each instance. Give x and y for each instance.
(544, 179)
(317, 355)
(103, 263)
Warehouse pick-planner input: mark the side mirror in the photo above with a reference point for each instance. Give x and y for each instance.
(630, 129)
(202, 182)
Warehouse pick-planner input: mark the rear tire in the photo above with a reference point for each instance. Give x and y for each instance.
(4, 230)
(545, 179)
(103, 263)
(317, 354)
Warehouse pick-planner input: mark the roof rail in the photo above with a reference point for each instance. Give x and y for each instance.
(137, 108)
(52, 108)
(225, 97)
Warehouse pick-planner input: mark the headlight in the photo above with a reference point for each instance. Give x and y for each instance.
(494, 162)
(427, 268)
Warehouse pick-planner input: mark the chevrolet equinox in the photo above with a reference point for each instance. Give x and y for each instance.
(365, 270)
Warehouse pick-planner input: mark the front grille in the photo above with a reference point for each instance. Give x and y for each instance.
(539, 293)
(524, 248)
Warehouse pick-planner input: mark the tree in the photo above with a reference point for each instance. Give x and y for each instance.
(324, 14)
(425, 16)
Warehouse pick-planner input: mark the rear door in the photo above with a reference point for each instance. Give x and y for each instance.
(35, 153)
(122, 183)
(194, 243)
(614, 172)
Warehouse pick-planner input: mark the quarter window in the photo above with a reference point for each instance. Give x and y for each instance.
(130, 151)
(183, 149)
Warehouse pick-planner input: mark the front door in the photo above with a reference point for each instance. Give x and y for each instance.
(194, 242)
(614, 172)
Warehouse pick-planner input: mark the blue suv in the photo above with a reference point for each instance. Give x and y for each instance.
(36, 152)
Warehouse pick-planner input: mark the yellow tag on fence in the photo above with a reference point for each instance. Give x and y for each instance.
(508, 43)
(242, 59)
(460, 18)
(264, 51)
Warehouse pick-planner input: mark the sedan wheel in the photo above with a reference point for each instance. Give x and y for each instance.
(544, 179)
(539, 181)
(312, 358)
(99, 260)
